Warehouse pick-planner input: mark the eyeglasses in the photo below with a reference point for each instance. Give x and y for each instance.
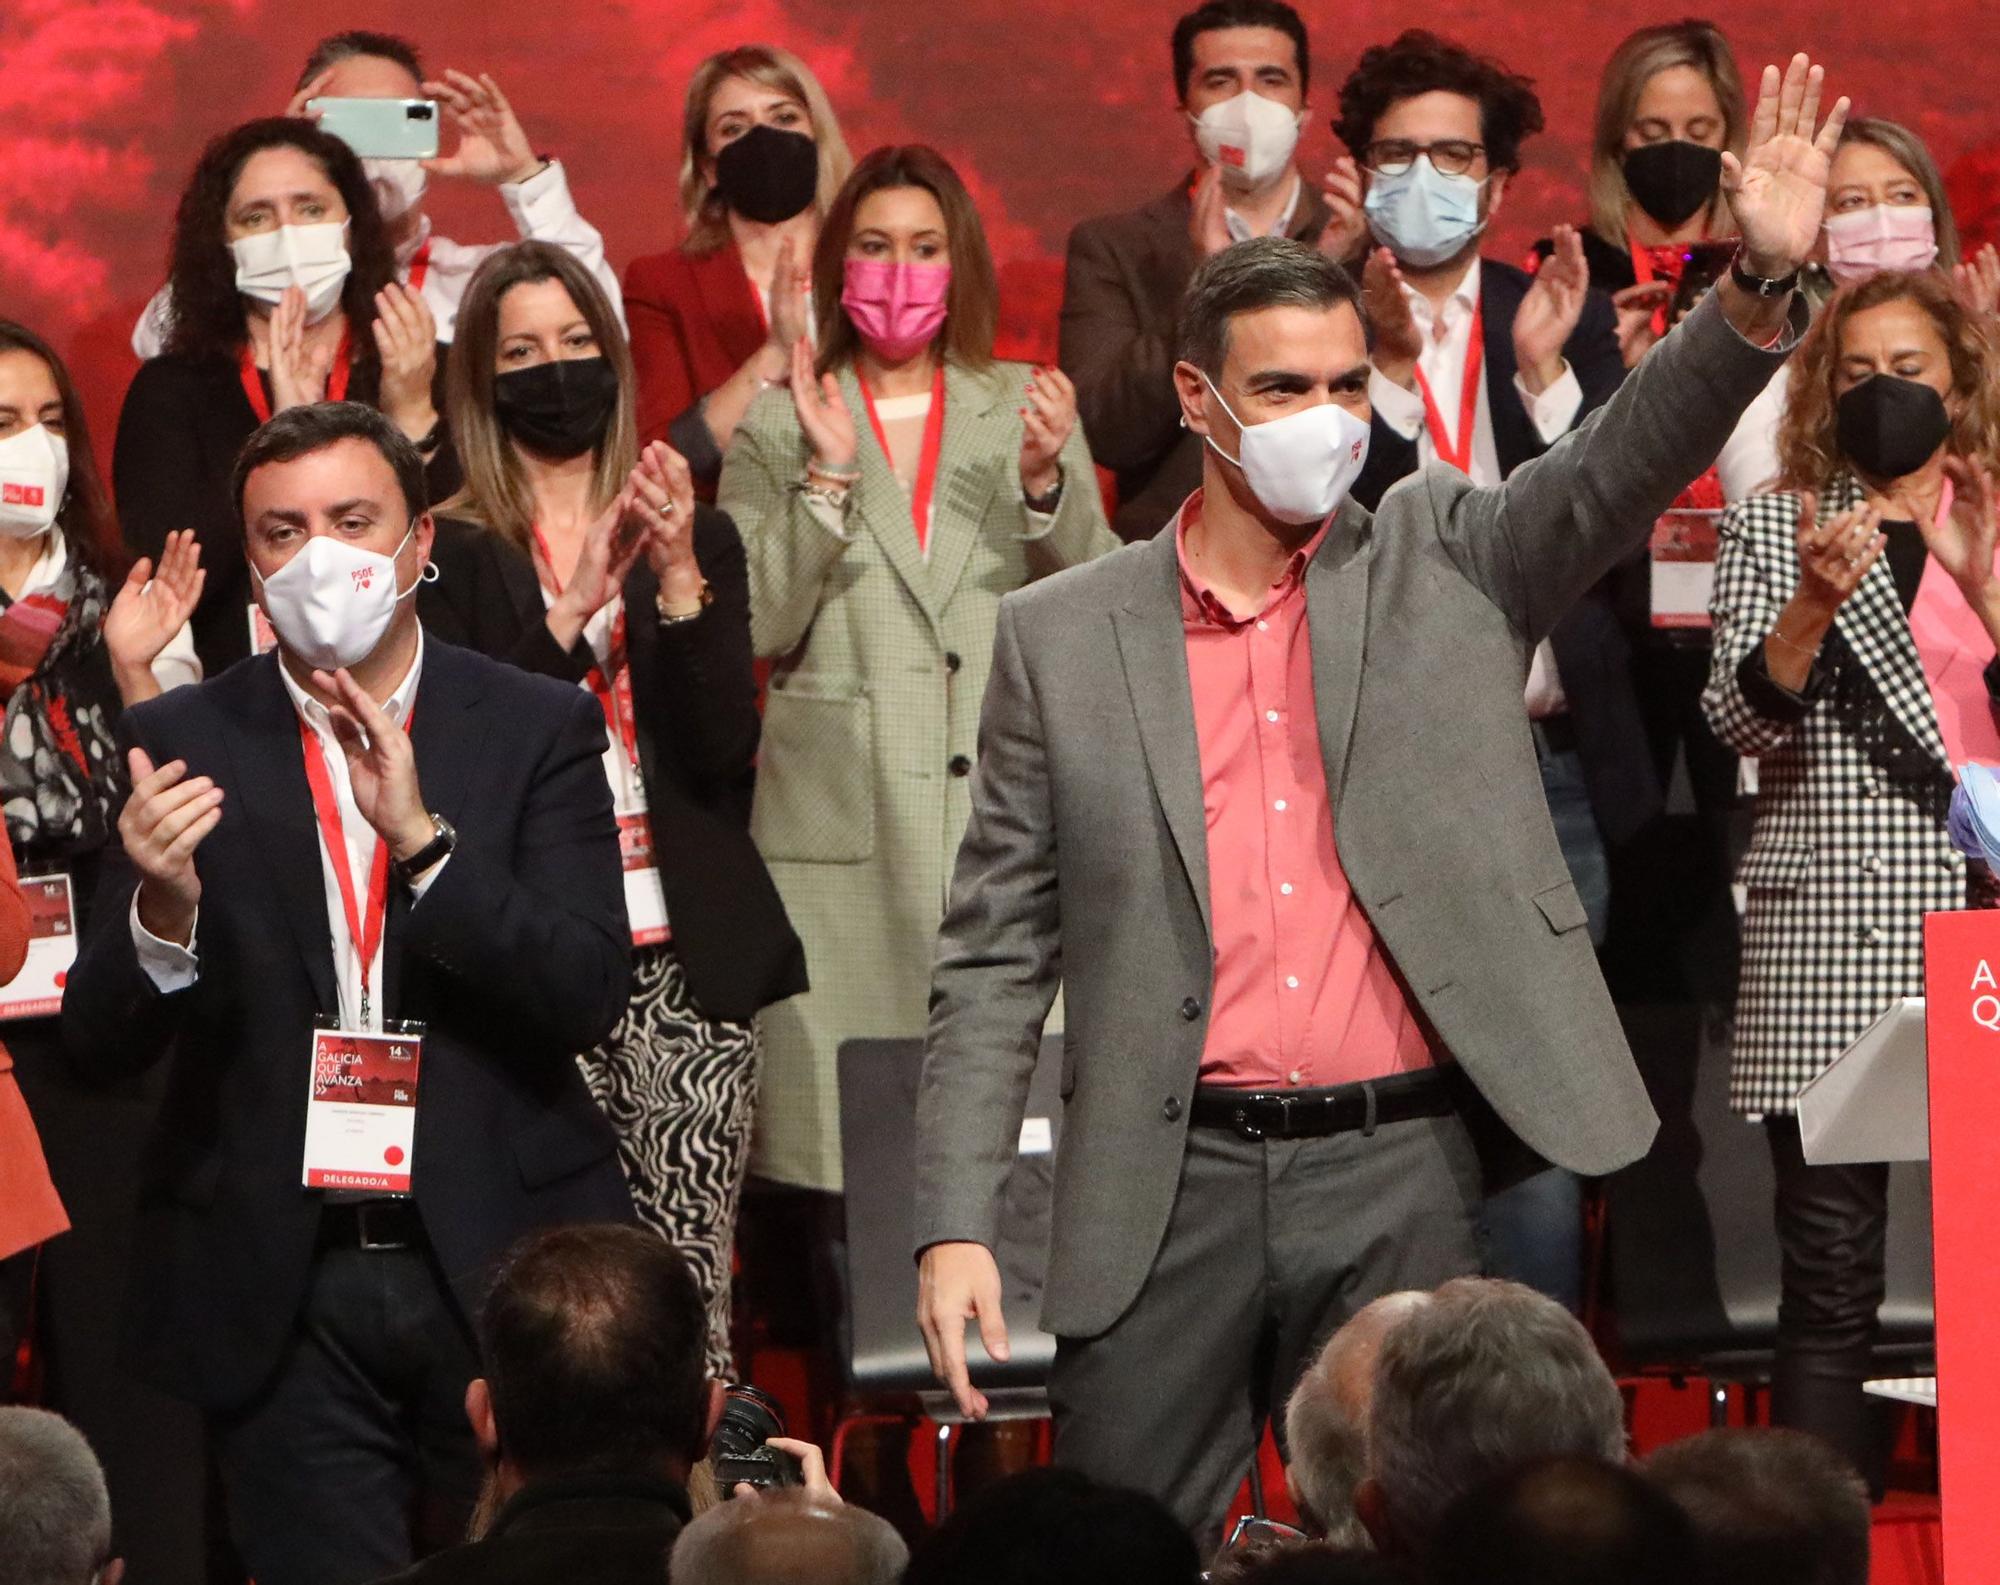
(1449, 156)
(1252, 1535)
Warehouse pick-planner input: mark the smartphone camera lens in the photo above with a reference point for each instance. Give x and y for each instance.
(422, 112)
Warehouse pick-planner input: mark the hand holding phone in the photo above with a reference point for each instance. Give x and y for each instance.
(383, 129)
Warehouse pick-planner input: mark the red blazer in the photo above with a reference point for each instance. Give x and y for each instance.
(30, 1212)
(694, 320)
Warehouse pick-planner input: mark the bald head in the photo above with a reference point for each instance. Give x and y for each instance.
(788, 1538)
(1326, 1419)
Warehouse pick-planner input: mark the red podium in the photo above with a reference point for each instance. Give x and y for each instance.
(1962, 1030)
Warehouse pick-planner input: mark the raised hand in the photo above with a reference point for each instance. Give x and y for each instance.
(791, 295)
(163, 823)
(1047, 417)
(663, 495)
(381, 765)
(1834, 557)
(611, 545)
(406, 340)
(299, 366)
(1636, 306)
(295, 107)
(150, 608)
(1777, 191)
(1398, 342)
(492, 147)
(1548, 314)
(1976, 279)
(823, 414)
(1341, 188)
(1964, 543)
(1208, 225)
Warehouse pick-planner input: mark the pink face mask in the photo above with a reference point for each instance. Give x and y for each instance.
(1865, 242)
(896, 308)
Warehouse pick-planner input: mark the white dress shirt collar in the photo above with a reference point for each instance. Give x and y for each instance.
(1240, 230)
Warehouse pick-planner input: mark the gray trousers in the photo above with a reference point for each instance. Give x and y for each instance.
(1270, 1246)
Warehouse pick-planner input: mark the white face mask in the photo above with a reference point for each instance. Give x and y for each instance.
(1249, 137)
(399, 185)
(1300, 466)
(312, 258)
(332, 602)
(34, 474)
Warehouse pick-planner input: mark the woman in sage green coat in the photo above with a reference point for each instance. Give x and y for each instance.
(887, 500)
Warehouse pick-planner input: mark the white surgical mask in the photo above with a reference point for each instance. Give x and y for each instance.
(34, 474)
(313, 258)
(1250, 138)
(1422, 215)
(399, 185)
(332, 602)
(1300, 466)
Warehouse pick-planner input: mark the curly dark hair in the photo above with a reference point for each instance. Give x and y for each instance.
(1419, 62)
(89, 530)
(201, 271)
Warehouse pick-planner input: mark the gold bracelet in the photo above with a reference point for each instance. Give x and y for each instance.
(1796, 649)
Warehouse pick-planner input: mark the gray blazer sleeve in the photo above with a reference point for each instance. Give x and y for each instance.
(1561, 521)
(999, 958)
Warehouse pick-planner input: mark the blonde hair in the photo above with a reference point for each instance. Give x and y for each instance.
(702, 209)
(1907, 150)
(1808, 436)
(1636, 62)
(496, 491)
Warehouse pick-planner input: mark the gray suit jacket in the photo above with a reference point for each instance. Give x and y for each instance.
(1086, 858)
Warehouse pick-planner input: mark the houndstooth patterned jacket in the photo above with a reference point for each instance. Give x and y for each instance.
(1849, 850)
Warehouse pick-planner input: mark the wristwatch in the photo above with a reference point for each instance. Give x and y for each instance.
(438, 848)
(1048, 502)
(675, 618)
(1760, 285)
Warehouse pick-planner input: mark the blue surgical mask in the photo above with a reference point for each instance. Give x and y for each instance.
(1423, 216)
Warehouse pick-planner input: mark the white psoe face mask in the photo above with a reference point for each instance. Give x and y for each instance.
(332, 602)
(1248, 137)
(313, 258)
(399, 185)
(1301, 466)
(34, 476)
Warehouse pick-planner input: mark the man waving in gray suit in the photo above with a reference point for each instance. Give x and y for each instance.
(1321, 956)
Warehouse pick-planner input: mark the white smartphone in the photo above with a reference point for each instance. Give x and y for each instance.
(386, 129)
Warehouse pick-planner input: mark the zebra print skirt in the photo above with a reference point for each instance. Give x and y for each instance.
(681, 1090)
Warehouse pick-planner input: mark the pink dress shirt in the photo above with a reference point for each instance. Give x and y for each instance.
(1305, 995)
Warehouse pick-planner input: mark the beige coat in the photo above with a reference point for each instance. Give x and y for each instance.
(871, 722)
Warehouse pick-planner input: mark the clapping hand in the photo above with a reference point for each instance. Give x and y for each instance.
(1976, 279)
(150, 608)
(163, 822)
(1348, 225)
(299, 367)
(791, 295)
(1777, 190)
(1965, 541)
(823, 414)
(611, 545)
(1208, 218)
(663, 492)
(406, 340)
(1548, 314)
(1398, 342)
(1834, 557)
(381, 765)
(492, 146)
(1047, 417)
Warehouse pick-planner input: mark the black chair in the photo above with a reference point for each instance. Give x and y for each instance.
(886, 1374)
(1692, 1252)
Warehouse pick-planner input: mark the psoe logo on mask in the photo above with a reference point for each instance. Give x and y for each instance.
(1354, 452)
(1229, 154)
(364, 579)
(22, 495)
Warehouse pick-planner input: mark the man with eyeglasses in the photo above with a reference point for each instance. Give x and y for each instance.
(1481, 366)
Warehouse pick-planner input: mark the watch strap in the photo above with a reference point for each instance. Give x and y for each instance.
(439, 846)
(1761, 285)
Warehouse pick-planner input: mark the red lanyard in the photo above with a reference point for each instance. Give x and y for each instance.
(1459, 455)
(420, 266)
(364, 932)
(927, 459)
(336, 380)
(614, 696)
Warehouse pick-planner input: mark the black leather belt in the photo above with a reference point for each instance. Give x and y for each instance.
(1311, 1114)
(371, 1225)
(1556, 733)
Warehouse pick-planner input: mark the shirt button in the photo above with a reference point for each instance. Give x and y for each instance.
(1871, 864)
(1286, 888)
(959, 765)
(1263, 627)
(1291, 982)
(1172, 1110)
(951, 661)
(1294, 1076)
(1190, 1009)
(1279, 806)
(1270, 715)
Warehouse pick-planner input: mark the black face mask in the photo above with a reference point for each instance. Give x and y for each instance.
(561, 408)
(1671, 180)
(1888, 427)
(768, 174)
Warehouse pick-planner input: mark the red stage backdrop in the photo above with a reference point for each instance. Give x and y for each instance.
(1052, 110)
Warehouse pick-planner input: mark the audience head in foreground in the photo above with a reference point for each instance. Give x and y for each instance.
(55, 1512)
(1769, 1507)
(790, 1537)
(1056, 1527)
(1486, 1377)
(1326, 1419)
(1572, 1520)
